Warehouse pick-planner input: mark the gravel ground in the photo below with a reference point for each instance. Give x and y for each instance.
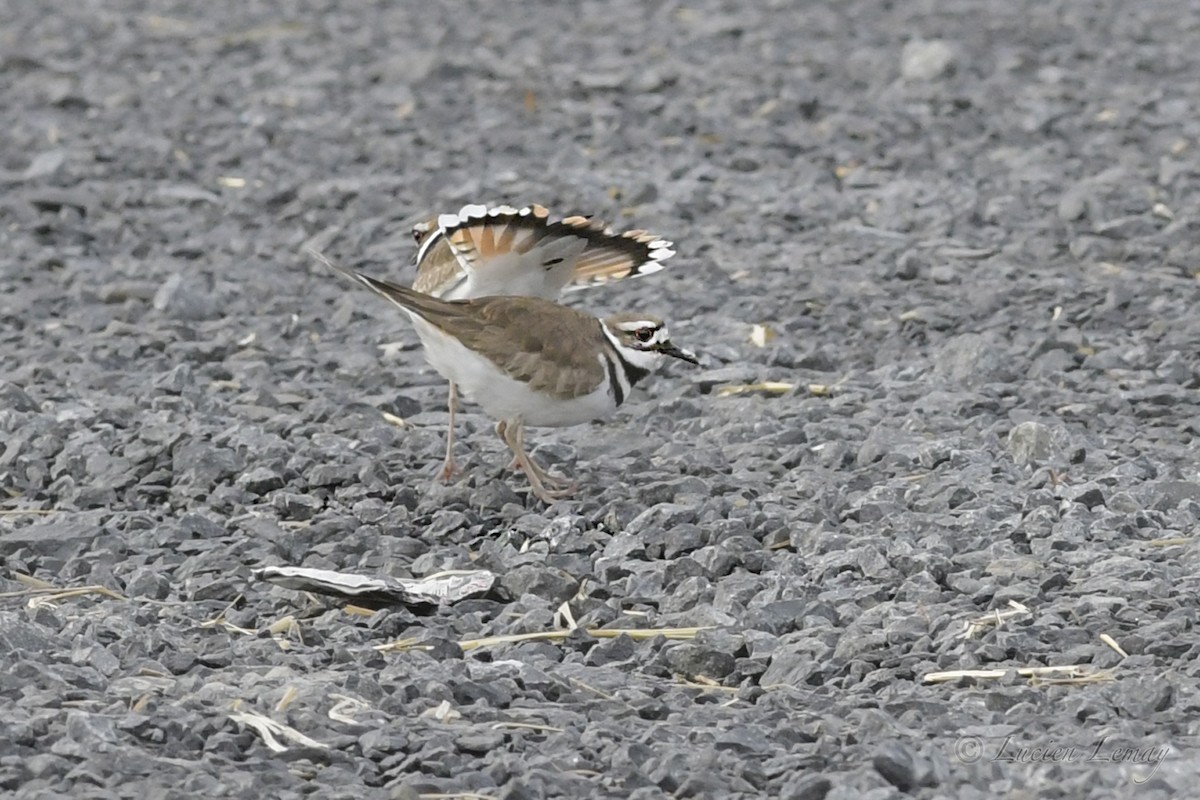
(975, 224)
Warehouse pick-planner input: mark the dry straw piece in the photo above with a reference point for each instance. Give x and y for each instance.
(637, 634)
(526, 726)
(41, 593)
(269, 730)
(976, 626)
(767, 387)
(1111, 642)
(1176, 541)
(1069, 674)
(1066, 674)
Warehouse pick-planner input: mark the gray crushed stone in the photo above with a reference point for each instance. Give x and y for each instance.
(972, 228)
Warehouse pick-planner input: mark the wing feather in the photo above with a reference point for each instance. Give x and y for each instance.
(471, 241)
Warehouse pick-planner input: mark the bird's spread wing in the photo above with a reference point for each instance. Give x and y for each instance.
(525, 251)
(611, 256)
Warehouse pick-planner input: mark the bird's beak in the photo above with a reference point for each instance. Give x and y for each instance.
(668, 349)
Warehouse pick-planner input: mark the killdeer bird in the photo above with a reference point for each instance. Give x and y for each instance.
(528, 361)
(482, 251)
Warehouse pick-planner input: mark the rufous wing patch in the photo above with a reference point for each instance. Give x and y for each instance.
(477, 234)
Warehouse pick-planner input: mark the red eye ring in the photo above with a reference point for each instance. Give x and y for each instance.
(644, 334)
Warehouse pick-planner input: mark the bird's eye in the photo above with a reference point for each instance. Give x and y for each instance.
(644, 334)
(418, 232)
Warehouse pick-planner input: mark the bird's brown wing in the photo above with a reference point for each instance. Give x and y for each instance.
(552, 348)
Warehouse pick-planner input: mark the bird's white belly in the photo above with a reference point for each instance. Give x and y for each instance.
(501, 397)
